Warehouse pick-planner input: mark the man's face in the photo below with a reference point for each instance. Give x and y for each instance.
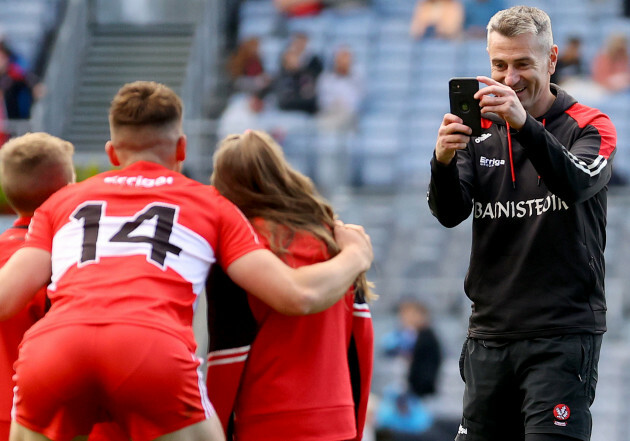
(343, 62)
(521, 63)
(291, 60)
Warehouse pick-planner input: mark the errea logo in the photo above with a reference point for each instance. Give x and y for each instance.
(483, 137)
(491, 162)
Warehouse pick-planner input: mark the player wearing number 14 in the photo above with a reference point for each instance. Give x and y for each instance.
(127, 253)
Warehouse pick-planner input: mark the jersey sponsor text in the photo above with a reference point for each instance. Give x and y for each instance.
(139, 181)
(491, 162)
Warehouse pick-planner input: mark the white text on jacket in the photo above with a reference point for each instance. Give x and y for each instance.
(513, 209)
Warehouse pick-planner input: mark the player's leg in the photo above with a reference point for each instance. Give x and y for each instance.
(559, 376)
(21, 433)
(492, 402)
(207, 430)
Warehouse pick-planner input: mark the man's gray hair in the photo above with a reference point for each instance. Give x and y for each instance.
(519, 20)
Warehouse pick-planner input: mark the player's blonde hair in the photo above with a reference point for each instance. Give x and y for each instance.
(32, 167)
(519, 20)
(250, 170)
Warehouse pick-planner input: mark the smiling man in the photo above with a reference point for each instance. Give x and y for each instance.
(536, 183)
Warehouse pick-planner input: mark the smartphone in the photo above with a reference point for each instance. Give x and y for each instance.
(461, 91)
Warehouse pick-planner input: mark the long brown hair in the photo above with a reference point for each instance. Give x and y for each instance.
(251, 171)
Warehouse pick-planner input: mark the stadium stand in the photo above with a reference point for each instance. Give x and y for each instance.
(117, 54)
(406, 84)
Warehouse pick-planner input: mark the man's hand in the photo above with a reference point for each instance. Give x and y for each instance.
(452, 136)
(349, 235)
(502, 100)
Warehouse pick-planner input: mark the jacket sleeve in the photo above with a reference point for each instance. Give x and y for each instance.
(361, 360)
(231, 330)
(573, 172)
(450, 189)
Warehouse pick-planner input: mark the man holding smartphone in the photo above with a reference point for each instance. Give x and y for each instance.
(536, 183)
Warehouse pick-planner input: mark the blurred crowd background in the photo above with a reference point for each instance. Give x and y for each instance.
(354, 90)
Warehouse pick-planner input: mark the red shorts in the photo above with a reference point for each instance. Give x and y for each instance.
(107, 432)
(145, 380)
(5, 427)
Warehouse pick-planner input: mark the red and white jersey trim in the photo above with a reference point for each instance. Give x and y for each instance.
(228, 356)
(361, 310)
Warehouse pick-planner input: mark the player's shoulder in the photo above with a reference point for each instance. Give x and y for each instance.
(12, 234)
(61, 195)
(199, 194)
(216, 196)
(584, 115)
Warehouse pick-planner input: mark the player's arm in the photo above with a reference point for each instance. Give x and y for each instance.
(450, 189)
(574, 172)
(28, 270)
(308, 289)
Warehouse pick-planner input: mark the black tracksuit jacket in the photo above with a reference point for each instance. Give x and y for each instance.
(538, 197)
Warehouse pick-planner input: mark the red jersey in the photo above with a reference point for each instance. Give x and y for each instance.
(13, 329)
(296, 381)
(154, 234)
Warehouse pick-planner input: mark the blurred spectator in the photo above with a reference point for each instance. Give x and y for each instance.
(570, 64)
(300, 43)
(259, 106)
(426, 356)
(414, 340)
(232, 23)
(340, 93)
(402, 413)
(299, 8)
(346, 4)
(295, 86)
(611, 66)
(573, 75)
(437, 18)
(415, 347)
(14, 85)
(246, 68)
(477, 15)
(400, 341)
(250, 111)
(244, 111)
(401, 417)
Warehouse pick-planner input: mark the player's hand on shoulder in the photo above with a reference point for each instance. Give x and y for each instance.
(350, 236)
